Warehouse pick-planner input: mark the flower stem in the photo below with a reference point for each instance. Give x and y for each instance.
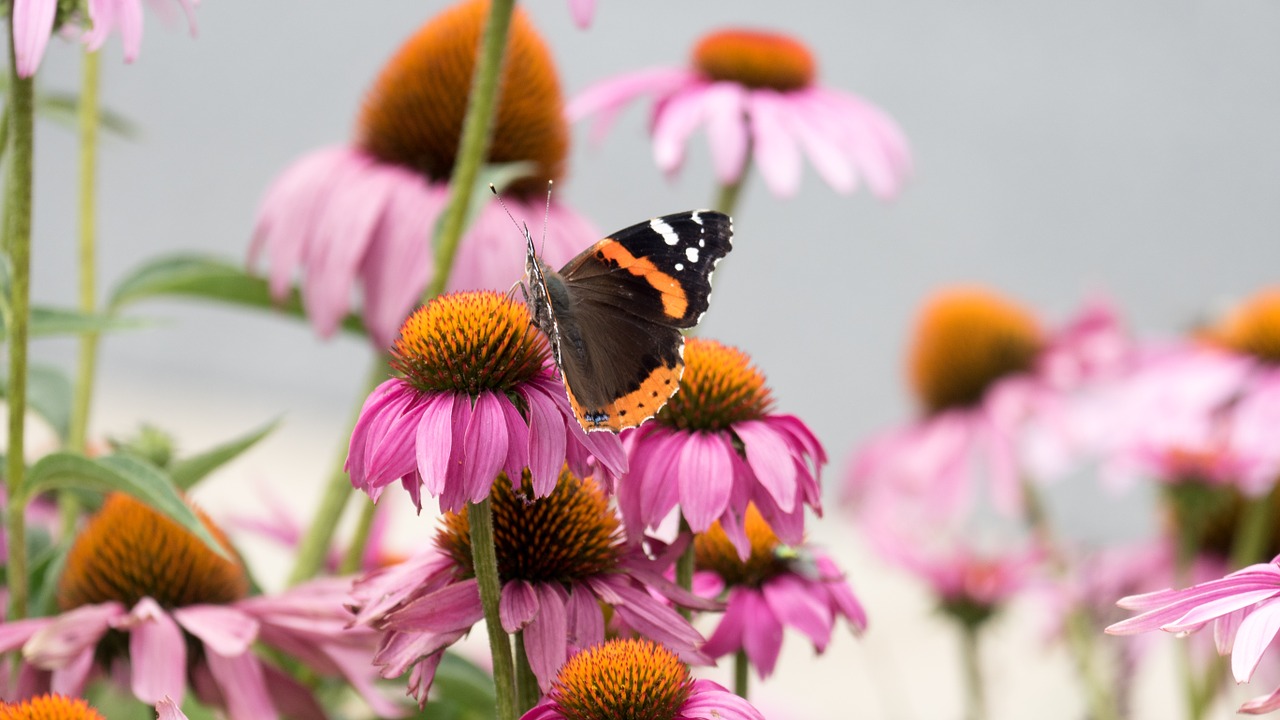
(314, 546)
(971, 659)
(527, 691)
(17, 244)
(727, 197)
(485, 560)
(741, 674)
(685, 566)
(354, 557)
(1253, 532)
(473, 147)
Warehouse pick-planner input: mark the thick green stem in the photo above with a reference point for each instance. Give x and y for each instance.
(971, 660)
(527, 691)
(741, 674)
(17, 244)
(477, 129)
(485, 559)
(353, 560)
(728, 194)
(685, 565)
(314, 546)
(1253, 532)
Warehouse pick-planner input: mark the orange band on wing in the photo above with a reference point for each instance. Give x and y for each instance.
(674, 302)
(635, 407)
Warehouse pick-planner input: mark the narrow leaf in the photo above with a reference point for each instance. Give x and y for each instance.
(49, 321)
(189, 471)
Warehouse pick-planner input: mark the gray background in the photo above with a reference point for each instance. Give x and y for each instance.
(1062, 149)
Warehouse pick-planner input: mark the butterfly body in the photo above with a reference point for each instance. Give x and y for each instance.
(614, 314)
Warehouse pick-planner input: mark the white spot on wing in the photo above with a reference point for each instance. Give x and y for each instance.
(692, 254)
(697, 217)
(679, 267)
(667, 232)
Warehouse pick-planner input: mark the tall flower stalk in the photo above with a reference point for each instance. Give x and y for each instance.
(88, 125)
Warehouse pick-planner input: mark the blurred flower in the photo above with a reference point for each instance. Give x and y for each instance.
(774, 587)
(582, 11)
(560, 557)
(478, 397)
(149, 604)
(1243, 608)
(365, 214)
(716, 447)
(756, 93)
(280, 526)
(636, 679)
(35, 20)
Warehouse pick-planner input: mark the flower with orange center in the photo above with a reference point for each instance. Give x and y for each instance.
(756, 93)
(637, 679)
(364, 214)
(775, 586)
(478, 397)
(147, 602)
(559, 558)
(59, 707)
(34, 22)
(717, 446)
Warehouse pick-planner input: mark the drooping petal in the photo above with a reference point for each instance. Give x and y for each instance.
(727, 130)
(582, 11)
(32, 26)
(801, 605)
(710, 701)
(606, 99)
(762, 638)
(1253, 637)
(706, 475)
(240, 678)
(547, 441)
(167, 709)
(773, 146)
(157, 654)
(771, 461)
(519, 605)
(451, 608)
(433, 441)
(544, 637)
(222, 628)
(585, 618)
(70, 634)
(484, 446)
(675, 120)
(130, 21)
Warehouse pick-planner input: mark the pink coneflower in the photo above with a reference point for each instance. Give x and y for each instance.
(991, 384)
(478, 397)
(61, 707)
(363, 215)
(35, 20)
(775, 586)
(147, 603)
(1243, 607)
(560, 558)
(717, 447)
(756, 93)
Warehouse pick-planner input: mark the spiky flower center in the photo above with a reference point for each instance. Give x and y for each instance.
(632, 679)
(756, 59)
(719, 388)
(569, 535)
(49, 707)
(412, 116)
(714, 552)
(965, 340)
(128, 551)
(1254, 328)
(469, 342)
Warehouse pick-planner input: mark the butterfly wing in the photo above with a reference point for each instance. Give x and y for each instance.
(621, 305)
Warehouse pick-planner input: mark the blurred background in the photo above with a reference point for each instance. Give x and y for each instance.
(1062, 151)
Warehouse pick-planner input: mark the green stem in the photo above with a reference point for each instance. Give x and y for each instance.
(685, 565)
(4, 130)
(477, 129)
(741, 674)
(485, 560)
(314, 546)
(971, 660)
(1253, 532)
(17, 243)
(353, 560)
(728, 194)
(527, 691)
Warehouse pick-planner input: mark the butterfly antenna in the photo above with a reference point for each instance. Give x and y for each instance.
(546, 213)
(523, 229)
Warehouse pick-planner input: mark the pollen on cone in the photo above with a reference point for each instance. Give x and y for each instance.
(622, 679)
(719, 387)
(756, 59)
(965, 340)
(412, 116)
(1254, 327)
(49, 707)
(713, 551)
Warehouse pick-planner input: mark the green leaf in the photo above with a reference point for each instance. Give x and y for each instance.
(48, 321)
(461, 691)
(64, 109)
(117, 472)
(500, 175)
(207, 278)
(49, 394)
(189, 471)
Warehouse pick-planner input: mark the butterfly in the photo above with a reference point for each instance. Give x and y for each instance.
(614, 314)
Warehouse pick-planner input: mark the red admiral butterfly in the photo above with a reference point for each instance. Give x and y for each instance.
(614, 313)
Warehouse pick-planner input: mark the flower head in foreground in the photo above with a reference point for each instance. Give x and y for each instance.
(35, 20)
(991, 385)
(478, 397)
(774, 587)
(1243, 606)
(59, 707)
(717, 447)
(363, 214)
(559, 559)
(636, 679)
(756, 93)
(148, 604)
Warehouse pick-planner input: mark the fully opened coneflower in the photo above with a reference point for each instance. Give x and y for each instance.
(478, 396)
(147, 603)
(636, 679)
(35, 20)
(776, 586)
(560, 557)
(717, 447)
(363, 215)
(757, 95)
(60, 707)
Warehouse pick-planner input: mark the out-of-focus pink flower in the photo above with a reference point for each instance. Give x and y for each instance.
(363, 217)
(1243, 607)
(451, 424)
(775, 587)
(33, 25)
(756, 94)
(560, 559)
(582, 11)
(613, 679)
(715, 448)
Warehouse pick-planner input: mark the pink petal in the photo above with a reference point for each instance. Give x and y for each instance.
(157, 653)
(674, 124)
(241, 681)
(131, 29)
(585, 618)
(725, 105)
(801, 605)
(709, 701)
(70, 634)
(32, 26)
(733, 624)
(706, 476)
(771, 461)
(484, 446)
(582, 10)
(433, 441)
(167, 709)
(72, 678)
(451, 608)
(519, 605)
(544, 638)
(222, 628)
(606, 99)
(1252, 638)
(762, 639)
(773, 146)
(547, 442)
(399, 261)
